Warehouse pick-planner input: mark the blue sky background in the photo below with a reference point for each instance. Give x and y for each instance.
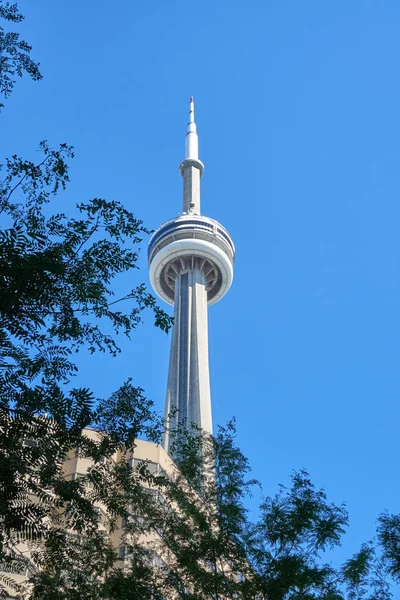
(297, 106)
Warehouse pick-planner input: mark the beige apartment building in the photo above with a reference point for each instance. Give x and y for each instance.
(76, 466)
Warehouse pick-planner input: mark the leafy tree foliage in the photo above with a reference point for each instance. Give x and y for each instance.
(280, 556)
(184, 534)
(191, 538)
(389, 538)
(15, 59)
(56, 298)
(296, 528)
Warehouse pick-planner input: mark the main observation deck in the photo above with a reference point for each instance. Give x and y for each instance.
(191, 242)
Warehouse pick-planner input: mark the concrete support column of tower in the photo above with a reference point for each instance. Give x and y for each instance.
(188, 397)
(199, 375)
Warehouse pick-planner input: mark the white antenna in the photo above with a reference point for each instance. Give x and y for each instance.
(191, 140)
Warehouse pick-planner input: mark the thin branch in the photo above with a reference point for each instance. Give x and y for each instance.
(91, 309)
(91, 232)
(26, 175)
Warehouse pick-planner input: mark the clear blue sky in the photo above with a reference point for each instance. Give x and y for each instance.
(297, 106)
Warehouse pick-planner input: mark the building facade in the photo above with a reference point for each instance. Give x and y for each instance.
(76, 466)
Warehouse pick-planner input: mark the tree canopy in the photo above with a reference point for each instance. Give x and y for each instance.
(15, 58)
(55, 296)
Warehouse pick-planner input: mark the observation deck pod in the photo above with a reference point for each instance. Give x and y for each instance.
(191, 242)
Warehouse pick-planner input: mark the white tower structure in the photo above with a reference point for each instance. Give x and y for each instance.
(191, 266)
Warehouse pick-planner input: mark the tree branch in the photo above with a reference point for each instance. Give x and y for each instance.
(24, 177)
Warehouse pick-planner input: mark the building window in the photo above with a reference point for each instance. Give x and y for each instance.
(158, 561)
(145, 465)
(124, 522)
(122, 552)
(31, 443)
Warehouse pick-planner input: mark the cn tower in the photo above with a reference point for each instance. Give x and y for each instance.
(191, 266)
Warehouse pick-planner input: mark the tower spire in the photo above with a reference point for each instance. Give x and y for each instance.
(191, 168)
(191, 140)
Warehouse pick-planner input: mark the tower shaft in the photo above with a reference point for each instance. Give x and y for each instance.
(188, 399)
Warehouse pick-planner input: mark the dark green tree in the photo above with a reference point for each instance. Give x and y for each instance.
(297, 527)
(15, 59)
(202, 545)
(56, 297)
(389, 540)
